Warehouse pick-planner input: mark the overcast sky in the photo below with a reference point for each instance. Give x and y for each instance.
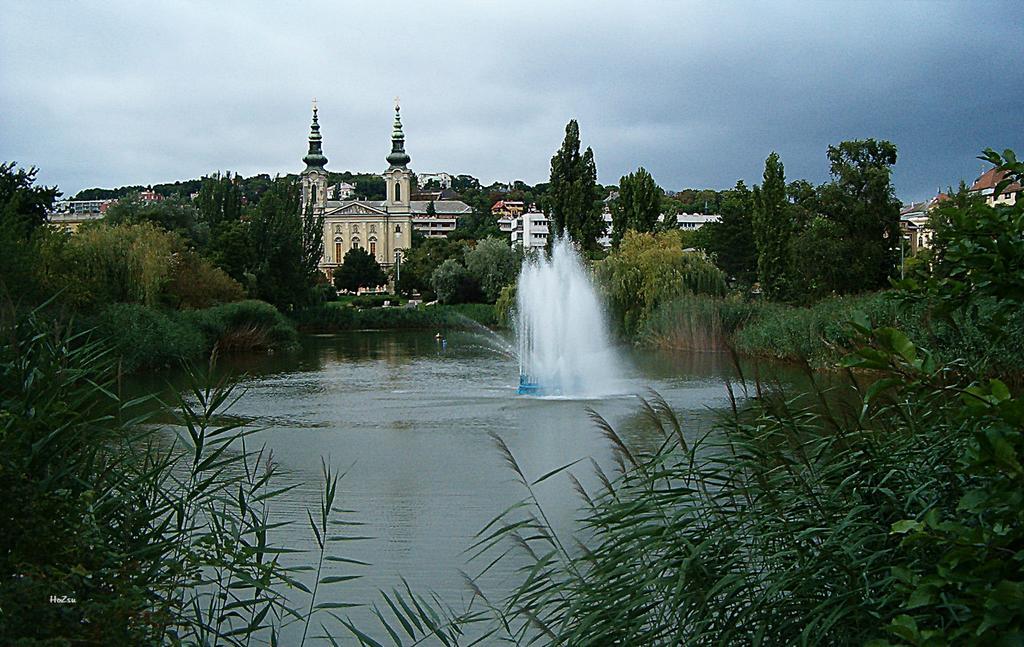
(114, 93)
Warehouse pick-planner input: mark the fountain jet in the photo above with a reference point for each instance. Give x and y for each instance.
(563, 340)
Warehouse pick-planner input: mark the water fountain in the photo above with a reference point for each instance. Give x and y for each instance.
(563, 342)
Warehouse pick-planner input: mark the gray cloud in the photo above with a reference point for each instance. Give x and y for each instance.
(105, 94)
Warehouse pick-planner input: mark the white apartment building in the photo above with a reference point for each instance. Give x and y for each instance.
(444, 180)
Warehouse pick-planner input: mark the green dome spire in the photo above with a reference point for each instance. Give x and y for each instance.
(398, 157)
(315, 159)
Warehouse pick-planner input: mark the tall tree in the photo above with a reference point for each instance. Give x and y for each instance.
(280, 274)
(862, 201)
(573, 195)
(219, 199)
(638, 205)
(731, 239)
(21, 201)
(772, 229)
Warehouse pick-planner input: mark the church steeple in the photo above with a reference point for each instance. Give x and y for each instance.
(315, 159)
(398, 157)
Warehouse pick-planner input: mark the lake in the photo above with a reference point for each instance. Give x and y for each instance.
(408, 419)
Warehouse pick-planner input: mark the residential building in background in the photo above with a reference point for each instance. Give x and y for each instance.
(530, 230)
(507, 208)
(342, 191)
(443, 180)
(986, 186)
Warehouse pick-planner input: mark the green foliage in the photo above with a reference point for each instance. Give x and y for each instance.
(453, 283)
(333, 317)
(772, 228)
(243, 326)
(23, 208)
(505, 306)
(493, 265)
(573, 196)
(359, 269)
(146, 338)
(284, 245)
(650, 269)
(638, 205)
(426, 255)
(697, 322)
(23, 204)
(196, 283)
(219, 200)
(173, 215)
(103, 264)
(730, 242)
(977, 268)
(861, 200)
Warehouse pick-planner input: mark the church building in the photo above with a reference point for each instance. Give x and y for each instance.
(381, 227)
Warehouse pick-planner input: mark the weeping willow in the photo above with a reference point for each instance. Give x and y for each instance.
(649, 269)
(126, 263)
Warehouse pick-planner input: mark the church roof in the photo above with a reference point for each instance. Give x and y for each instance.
(418, 207)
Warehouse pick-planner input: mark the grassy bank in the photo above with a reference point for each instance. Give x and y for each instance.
(821, 334)
(145, 337)
(333, 317)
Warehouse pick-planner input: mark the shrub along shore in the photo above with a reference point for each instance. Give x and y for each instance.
(821, 334)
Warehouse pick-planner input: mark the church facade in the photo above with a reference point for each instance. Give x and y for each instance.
(382, 227)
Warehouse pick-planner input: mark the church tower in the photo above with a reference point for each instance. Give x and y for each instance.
(314, 177)
(398, 176)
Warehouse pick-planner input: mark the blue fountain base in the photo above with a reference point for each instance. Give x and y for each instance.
(529, 387)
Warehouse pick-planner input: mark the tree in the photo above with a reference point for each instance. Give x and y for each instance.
(638, 205)
(493, 264)
(772, 229)
(426, 255)
(220, 199)
(172, 215)
(23, 208)
(359, 269)
(862, 201)
(280, 270)
(573, 197)
(453, 283)
(21, 201)
(731, 240)
(649, 269)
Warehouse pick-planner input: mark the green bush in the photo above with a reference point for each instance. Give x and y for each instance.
(245, 325)
(332, 318)
(196, 283)
(374, 300)
(696, 322)
(453, 283)
(145, 337)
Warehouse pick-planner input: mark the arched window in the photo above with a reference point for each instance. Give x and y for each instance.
(355, 242)
(312, 194)
(398, 229)
(337, 250)
(398, 191)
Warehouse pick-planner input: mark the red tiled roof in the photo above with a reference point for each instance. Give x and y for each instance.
(990, 178)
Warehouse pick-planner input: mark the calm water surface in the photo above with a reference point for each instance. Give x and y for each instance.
(409, 421)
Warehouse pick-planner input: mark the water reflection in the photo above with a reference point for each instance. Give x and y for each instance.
(410, 421)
